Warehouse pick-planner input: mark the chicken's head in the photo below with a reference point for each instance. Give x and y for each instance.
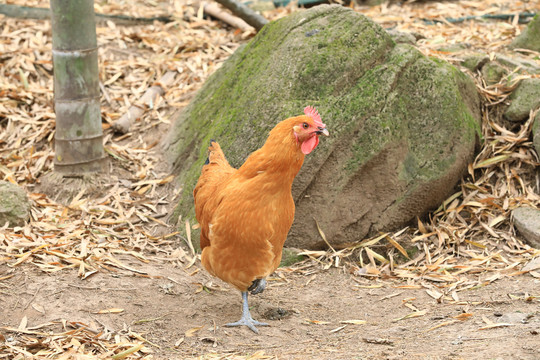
(308, 129)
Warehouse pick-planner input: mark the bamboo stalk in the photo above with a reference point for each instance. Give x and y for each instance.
(78, 136)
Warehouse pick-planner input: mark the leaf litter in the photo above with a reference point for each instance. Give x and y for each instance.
(467, 243)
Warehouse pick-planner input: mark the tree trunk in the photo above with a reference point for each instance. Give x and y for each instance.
(79, 136)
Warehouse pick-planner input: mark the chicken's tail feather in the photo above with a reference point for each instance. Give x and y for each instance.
(212, 141)
(215, 171)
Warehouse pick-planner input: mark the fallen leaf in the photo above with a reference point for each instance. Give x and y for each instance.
(191, 332)
(496, 325)
(127, 352)
(338, 329)
(23, 323)
(38, 308)
(463, 316)
(534, 264)
(109, 311)
(317, 322)
(411, 315)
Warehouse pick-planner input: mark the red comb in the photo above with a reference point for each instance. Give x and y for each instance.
(314, 114)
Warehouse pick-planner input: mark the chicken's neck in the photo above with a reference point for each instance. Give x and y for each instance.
(278, 161)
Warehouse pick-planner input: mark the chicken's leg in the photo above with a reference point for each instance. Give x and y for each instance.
(246, 316)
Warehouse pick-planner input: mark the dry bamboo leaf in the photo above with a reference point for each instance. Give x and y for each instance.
(434, 294)
(38, 308)
(491, 161)
(179, 342)
(109, 311)
(128, 352)
(337, 329)
(441, 325)
(191, 332)
(494, 326)
(375, 255)
(421, 226)
(463, 316)
(316, 322)
(534, 264)
(398, 246)
(188, 236)
(391, 295)
(323, 236)
(23, 323)
(372, 242)
(411, 315)
(353, 322)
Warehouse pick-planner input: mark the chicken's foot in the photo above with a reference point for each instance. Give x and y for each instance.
(246, 319)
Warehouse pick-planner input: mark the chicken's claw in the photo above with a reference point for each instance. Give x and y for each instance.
(249, 322)
(257, 286)
(246, 319)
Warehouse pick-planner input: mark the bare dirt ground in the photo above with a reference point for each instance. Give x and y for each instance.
(103, 276)
(310, 315)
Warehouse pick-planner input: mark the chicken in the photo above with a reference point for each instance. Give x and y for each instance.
(246, 213)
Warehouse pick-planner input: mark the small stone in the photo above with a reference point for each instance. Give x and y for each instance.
(526, 97)
(536, 133)
(527, 222)
(493, 72)
(14, 205)
(518, 64)
(475, 62)
(514, 318)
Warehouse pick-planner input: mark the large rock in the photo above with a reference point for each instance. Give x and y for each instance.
(530, 37)
(402, 126)
(14, 205)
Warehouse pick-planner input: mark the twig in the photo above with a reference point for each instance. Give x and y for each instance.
(244, 12)
(123, 124)
(33, 297)
(215, 11)
(523, 17)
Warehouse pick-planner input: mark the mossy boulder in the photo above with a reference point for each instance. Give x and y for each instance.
(403, 127)
(14, 205)
(530, 37)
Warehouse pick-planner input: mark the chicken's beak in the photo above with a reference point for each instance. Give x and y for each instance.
(322, 132)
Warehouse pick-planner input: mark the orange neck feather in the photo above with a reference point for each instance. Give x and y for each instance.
(280, 157)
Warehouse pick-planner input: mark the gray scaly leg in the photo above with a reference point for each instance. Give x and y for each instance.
(246, 319)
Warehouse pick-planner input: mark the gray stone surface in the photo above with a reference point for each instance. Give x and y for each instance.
(14, 205)
(536, 133)
(530, 37)
(527, 222)
(526, 97)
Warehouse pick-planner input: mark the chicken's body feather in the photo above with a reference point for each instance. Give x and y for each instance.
(245, 214)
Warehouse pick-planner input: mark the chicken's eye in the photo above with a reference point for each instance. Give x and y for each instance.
(305, 125)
